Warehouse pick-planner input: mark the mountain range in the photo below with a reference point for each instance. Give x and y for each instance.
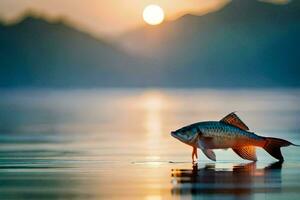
(245, 44)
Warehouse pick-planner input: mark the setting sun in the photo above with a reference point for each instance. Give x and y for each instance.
(153, 14)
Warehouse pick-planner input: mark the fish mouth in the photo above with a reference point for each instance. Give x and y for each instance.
(173, 133)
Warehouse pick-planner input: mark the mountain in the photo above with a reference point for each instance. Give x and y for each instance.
(36, 53)
(245, 44)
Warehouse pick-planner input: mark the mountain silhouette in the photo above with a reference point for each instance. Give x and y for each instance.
(245, 44)
(36, 53)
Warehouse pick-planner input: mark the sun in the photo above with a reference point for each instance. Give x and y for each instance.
(153, 14)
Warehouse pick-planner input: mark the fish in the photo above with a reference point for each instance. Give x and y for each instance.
(229, 132)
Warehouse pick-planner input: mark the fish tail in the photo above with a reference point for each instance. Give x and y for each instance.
(273, 145)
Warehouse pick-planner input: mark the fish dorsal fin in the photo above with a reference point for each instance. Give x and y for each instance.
(234, 120)
(246, 152)
(210, 154)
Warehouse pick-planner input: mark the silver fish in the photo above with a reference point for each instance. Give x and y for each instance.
(229, 132)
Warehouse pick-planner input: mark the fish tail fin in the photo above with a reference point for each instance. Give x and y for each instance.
(273, 145)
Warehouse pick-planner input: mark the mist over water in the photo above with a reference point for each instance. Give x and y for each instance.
(94, 144)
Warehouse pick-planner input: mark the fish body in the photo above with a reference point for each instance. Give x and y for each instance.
(230, 132)
(219, 135)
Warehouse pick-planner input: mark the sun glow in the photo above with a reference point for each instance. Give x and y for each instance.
(153, 14)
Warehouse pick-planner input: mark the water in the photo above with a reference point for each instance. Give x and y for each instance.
(100, 144)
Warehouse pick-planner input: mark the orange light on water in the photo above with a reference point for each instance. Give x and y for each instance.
(152, 104)
(153, 101)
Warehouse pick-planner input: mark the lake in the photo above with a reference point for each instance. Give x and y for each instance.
(116, 144)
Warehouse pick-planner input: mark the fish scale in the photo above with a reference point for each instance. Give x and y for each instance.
(217, 129)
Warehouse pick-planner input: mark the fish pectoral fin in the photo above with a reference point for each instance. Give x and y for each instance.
(234, 120)
(246, 152)
(209, 154)
(205, 142)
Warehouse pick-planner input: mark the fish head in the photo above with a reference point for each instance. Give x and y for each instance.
(187, 134)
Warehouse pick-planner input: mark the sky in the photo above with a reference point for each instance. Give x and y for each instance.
(104, 18)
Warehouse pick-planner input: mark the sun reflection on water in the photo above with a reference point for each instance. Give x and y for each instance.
(153, 197)
(155, 105)
(152, 104)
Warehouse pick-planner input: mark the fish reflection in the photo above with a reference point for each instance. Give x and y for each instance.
(240, 180)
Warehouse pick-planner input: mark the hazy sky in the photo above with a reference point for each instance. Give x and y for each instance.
(104, 17)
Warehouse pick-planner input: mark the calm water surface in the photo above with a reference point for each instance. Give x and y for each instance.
(100, 144)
